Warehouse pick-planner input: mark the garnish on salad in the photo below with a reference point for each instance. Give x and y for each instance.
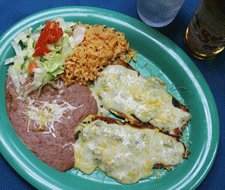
(42, 53)
(49, 35)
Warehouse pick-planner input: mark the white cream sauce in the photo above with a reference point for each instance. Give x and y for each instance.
(122, 90)
(125, 153)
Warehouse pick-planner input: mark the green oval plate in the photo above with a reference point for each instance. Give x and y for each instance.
(157, 55)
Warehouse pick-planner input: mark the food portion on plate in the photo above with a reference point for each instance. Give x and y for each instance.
(100, 47)
(46, 124)
(123, 151)
(64, 83)
(127, 94)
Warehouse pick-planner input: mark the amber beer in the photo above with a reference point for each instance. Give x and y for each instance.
(205, 34)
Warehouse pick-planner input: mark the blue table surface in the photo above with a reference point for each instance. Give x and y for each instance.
(12, 11)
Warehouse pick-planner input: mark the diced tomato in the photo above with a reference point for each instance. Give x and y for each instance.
(31, 66)
(41, 50)
(50, 34)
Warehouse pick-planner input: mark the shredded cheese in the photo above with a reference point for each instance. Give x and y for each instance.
(45, 114)
(124, 91)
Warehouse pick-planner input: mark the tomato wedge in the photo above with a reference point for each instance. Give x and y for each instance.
(49, 35)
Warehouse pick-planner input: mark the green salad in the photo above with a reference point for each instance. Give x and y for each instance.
(42, 53)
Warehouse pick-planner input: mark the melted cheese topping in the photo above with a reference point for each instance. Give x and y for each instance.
(125, 153)
(122, 90)
(45, 114)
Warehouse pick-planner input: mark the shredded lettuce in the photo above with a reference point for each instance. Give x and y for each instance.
(39, 29)
(22, 36)
(30, 48)
(35, 36)
(54, 62)
(8, 61)
(19, 53)
(18, 76)
(78, 36)
(66, 26)
(14, 72)
(39, 76)
(50, 65)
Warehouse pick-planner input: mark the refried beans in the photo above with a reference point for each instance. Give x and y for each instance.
(46, 124)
